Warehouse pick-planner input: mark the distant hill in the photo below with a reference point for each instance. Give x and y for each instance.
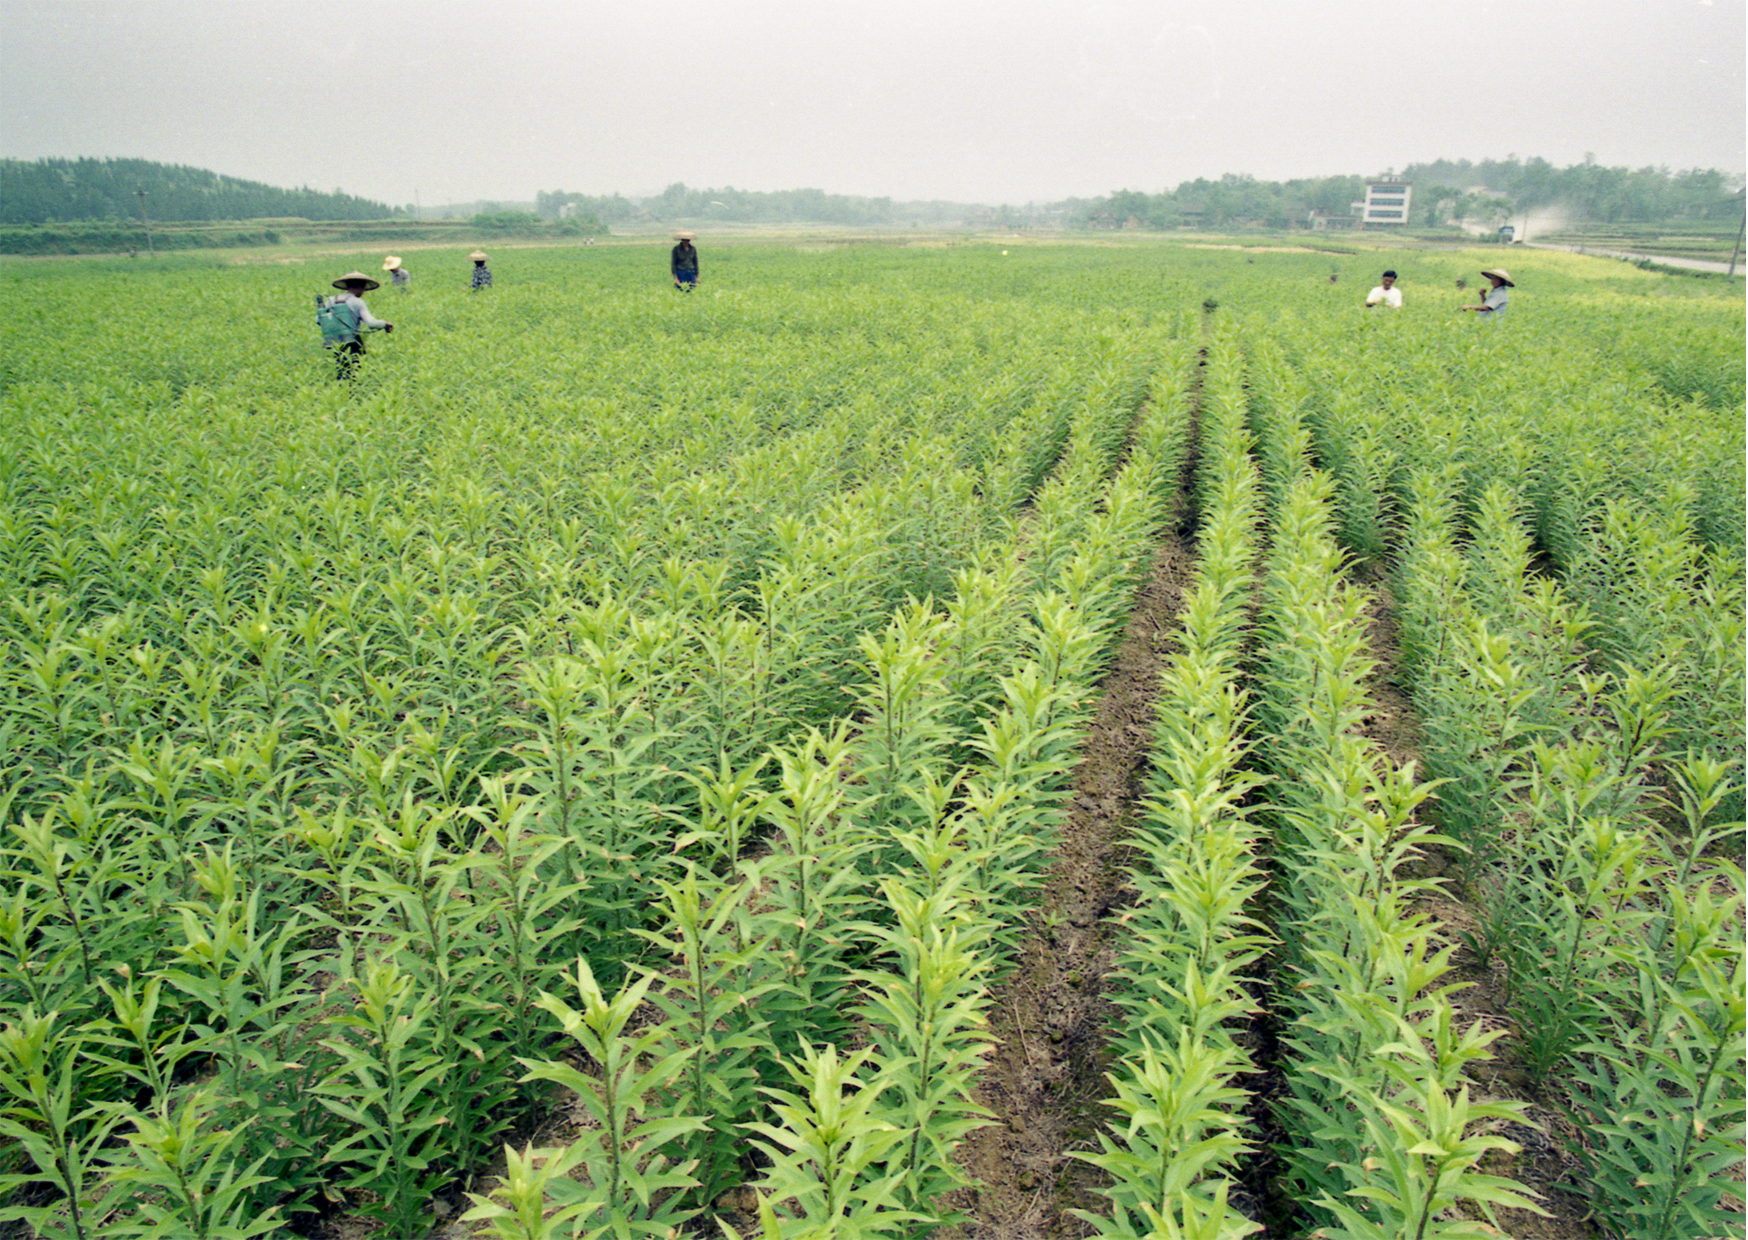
(65, 190)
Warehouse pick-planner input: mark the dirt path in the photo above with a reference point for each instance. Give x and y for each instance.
(1046, 1076)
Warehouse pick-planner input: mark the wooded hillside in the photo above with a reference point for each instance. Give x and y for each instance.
(58, 190)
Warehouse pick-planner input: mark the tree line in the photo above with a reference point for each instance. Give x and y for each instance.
(1489, 191)
(739, 206)
(1592, 192)
(1445, 192)
(47, 191)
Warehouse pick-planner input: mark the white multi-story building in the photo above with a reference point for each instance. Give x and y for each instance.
(1386, 204)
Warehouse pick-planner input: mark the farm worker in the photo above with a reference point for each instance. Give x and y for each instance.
(482, 274)
(683, 262)
(343, 319)
(1493, 304)
(398, 275)
(1386, 293)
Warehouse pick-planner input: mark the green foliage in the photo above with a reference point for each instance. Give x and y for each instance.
(44, 190)
(528, 921)
(390, 1086)
(903, 731)
(1554, 952)
(1180, 1128)
(712, 1006)
(927, 1015)
(815, 887)
(182, 1174)
(1660, 1110)
(45, 1116)
(829, 1151)
(523, 1213)
(1428, 1151)
(746, 654)
(638, 1188)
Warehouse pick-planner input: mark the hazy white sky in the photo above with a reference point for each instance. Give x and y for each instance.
(971, 100)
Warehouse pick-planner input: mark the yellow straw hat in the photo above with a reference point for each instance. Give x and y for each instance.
(356, 277)
(478, 256)
(391, 262)
(1500, 273)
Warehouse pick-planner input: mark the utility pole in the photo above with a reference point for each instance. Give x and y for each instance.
(141, 195)
(1742, 197)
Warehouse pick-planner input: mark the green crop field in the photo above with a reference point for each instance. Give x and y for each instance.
(605, 770)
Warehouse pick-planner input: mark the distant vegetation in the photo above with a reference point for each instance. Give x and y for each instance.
(529, 224)
(1702, 239)
(83, 206)
(109, 237)
(96, 206)
(1589, 191)
(1445, 192)
(1234, 199)
(47, 191)
(738, 206)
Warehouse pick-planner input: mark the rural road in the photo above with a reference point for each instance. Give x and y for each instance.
(1690, 264)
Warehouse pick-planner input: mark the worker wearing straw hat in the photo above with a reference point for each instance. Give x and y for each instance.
(345, 318)
(1492, 306)
(398, 275)
(683, 262)
(482, 274)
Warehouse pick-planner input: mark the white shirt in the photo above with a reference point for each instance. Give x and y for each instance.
(1391, 297)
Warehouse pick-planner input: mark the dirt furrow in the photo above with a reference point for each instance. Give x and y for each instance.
(1046, 1075)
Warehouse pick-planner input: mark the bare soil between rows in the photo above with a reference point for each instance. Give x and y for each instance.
(1046, 1076)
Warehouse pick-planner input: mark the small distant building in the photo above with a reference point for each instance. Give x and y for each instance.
(1386, 204)
(1324, 221)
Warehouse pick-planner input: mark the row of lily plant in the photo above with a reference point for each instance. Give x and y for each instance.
(1386, 1135)
(299, 792)
(1632, 500)
(902, 862)
(1190, 940)
(1599, 839)
(1570, 426)
(207, 616)
(1570, 611)
(550, 857)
